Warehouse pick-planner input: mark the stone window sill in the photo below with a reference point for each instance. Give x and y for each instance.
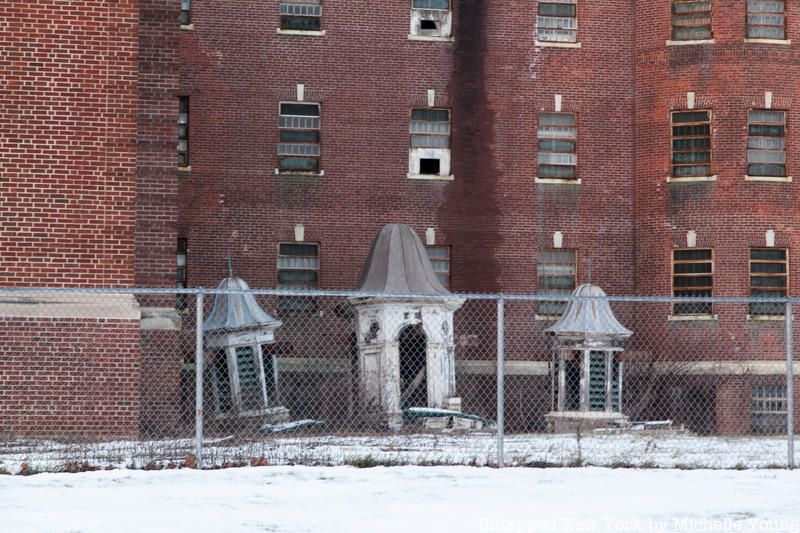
(187, 168)
(548, 44)
(557, 181)
(187, 27)
(430, 38)
(687, 43)
(692, 318)
(310, 33)
(300, 173)
(547, 318)
(431, 177)
(767, 318)
(774, 179)
(691, 179)
(784, 42)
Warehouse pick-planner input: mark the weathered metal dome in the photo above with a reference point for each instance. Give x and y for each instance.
(235, 309)
(398, 263)
(589, 321)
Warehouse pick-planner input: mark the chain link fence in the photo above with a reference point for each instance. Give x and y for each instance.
(218, 378)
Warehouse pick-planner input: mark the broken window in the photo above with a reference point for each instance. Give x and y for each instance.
(185, 17)
(298, 269)
(440, 261)
(183, 131)
(557, 273)
(557, 141)
(691, 144)
(766, 143)
(431, 18)
(769, 278)
(299, 149)
(692, 277)
(430, 142)
(303, 15)
(691, 20)
(766, 19)
(557, 21)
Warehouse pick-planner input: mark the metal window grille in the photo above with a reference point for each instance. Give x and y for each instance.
(769, 278)
(769, 409)
(557, 143)
(440, 261)
(766, 19)
(691, 143)
(693, 276)
(183, 131)
(299, 146)
(557, 273)
(303, 15)
(298, 268)
(691, 20)
(557, 21)
(766, 143)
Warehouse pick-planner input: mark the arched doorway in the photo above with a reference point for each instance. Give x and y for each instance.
(413, 367)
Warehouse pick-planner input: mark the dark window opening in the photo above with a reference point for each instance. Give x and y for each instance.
(429, 166)
(413, 368)
(428, 25)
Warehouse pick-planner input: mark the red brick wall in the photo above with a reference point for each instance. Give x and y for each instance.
(367, 75)
(69, 377)
(67, 131)
(157, 138)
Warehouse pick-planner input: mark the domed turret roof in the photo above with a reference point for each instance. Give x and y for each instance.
(591, 321)
(236, 309)
(398, 263)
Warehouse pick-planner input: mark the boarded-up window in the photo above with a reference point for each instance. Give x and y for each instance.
(769, 278)
(299, 146)
(185, 18)
(557, 142)
(431, 4)
(691, 20)
(183, 131)
(766, 143)
(693, 277)
(766, 19)
(691, 143)
(298, 269)
(304, 15)
(557, 21)
(769, 409)
(557, 274)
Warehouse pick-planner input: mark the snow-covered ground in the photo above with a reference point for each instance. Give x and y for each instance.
(408, 499)
(627, 449)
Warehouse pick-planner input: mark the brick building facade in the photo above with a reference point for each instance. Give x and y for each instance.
(537, 127)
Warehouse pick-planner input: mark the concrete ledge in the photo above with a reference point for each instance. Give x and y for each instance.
(685, 43)
(93, 306)
(187, 168)
(548, 44)
(187, 26)
(769, 41)
(160, 319)
(557, 181)
(429, 177)
(774, 179)
(299, 173)
(692, 318)
(690, 179)
(431, 39)
(310, 33)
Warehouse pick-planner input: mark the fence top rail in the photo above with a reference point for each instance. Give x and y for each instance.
(145, 291)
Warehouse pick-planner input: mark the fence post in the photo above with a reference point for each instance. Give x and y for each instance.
(500, 378)
(789, 385)
(198, 376)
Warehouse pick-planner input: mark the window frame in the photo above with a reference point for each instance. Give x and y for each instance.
(674, 27)
(576, 170)
(447, 273)
(539, 16)
(184, 108)
(784, 275)
(785, 138)
(418, 153)
(748, 25)
(185, 16)
(676, 311)
(279, 168)
(575, 277)
(673, 138)
(282, 16)
(768, 405)
(297, 303)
